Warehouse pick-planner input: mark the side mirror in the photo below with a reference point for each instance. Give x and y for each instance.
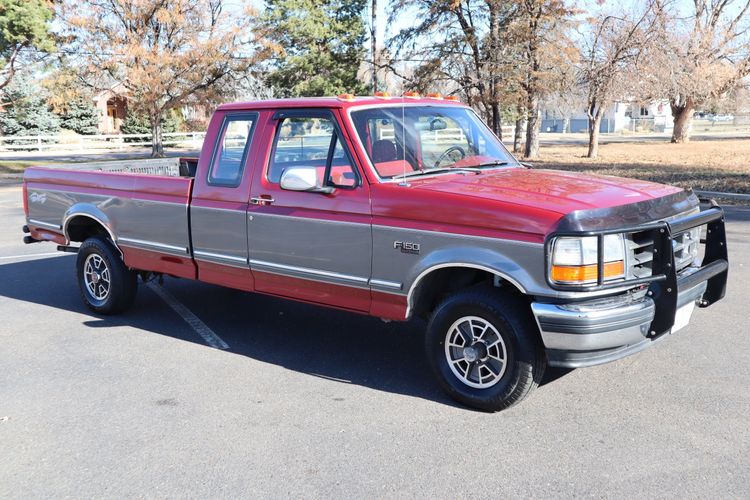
(303, 179)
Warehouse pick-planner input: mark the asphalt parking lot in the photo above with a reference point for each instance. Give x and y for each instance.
(308, 402)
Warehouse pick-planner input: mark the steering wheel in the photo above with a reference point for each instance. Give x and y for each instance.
(448, 151)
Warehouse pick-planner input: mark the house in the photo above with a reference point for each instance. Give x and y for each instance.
(623, 116)
(112, 108)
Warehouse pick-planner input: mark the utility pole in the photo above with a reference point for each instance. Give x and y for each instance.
(374, 44)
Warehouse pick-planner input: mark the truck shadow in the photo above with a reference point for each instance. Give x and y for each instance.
(335, 345)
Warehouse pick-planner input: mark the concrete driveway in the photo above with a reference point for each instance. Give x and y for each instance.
(308, 402)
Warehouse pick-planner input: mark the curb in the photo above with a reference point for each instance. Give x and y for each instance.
(8, 179)
(718, 194)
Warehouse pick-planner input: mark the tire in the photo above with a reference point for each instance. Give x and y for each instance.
(487, 383)
(107, 286)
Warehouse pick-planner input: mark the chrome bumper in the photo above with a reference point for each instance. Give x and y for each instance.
(603, 330)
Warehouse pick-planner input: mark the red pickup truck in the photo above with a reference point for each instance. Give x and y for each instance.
(400, 208)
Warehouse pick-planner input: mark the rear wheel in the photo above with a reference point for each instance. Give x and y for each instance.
(484, 349)
(107, 286)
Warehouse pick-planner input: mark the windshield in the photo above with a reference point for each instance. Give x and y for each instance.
(415, 140)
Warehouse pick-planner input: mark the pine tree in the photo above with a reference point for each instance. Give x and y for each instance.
(24, 34)
(80, 116)
(320, 46)
(25, 110)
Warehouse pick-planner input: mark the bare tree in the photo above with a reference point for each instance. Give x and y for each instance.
(705, 53)
(465, 48)
(165, 53)
(543, 30)
(611, 49)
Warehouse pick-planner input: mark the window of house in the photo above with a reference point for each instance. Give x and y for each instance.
(233, 145)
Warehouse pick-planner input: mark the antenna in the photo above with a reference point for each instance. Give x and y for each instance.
(403, 142)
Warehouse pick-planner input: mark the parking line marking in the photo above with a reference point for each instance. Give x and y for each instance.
(191, 319)
(22, 256)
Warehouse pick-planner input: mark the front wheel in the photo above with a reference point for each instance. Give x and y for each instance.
(107, 285)
(484, 349)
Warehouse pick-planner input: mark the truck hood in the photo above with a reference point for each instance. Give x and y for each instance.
(547, 190)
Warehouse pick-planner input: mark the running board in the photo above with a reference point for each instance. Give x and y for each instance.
(66, 248)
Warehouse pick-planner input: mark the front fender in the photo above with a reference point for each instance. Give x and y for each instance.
(483, 259)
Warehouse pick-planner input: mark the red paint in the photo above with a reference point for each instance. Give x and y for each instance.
(388, 306)
(25, 195)
(233, 277)
(164, 189)
(46, 235)
(340, 296)
(147, 260)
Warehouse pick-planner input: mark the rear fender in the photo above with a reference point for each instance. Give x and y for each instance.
(91, 212)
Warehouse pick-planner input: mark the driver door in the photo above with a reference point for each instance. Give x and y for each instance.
(311, 246)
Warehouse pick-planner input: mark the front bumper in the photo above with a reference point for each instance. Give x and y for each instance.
(602, 330)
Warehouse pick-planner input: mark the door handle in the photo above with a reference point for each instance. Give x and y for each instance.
(264, 199)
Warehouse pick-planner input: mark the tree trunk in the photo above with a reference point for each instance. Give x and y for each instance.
(374, 44)
(683, 121)
(518, 134)
(531, 149)
(595, 124)
(497, 126)
(157, 146)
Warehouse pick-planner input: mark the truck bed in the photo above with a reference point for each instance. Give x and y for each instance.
(145, 214)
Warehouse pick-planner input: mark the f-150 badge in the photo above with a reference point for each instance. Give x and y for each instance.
(406, 247)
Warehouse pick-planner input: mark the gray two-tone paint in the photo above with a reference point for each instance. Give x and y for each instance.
(219, 236)
(334, 252)
(146, 224)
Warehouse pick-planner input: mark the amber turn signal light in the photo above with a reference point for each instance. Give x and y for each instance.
(584, 274)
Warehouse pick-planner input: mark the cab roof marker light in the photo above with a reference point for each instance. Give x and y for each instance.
(434, 95)
(345, 97)
(382, 95)
(412, 95)
(452, 98)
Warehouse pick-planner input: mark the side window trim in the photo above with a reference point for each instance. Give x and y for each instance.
(282, 114)
(219, 142)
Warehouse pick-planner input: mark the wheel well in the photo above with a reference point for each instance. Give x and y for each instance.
(81, 227)
(440, 283)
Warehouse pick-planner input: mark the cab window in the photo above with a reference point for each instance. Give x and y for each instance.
(231, 152)
(312, 142)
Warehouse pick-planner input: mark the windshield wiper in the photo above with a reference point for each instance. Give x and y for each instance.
(429, 171)
(494, 163)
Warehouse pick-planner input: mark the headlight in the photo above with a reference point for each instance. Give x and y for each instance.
(574, 259)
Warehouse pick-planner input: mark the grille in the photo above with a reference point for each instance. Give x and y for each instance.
(641, 250)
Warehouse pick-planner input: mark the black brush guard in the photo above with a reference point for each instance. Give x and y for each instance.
(664, 284)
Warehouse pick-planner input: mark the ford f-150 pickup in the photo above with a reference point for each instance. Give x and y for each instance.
(400, 208)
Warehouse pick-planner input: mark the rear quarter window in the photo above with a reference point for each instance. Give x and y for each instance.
(232, 146)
